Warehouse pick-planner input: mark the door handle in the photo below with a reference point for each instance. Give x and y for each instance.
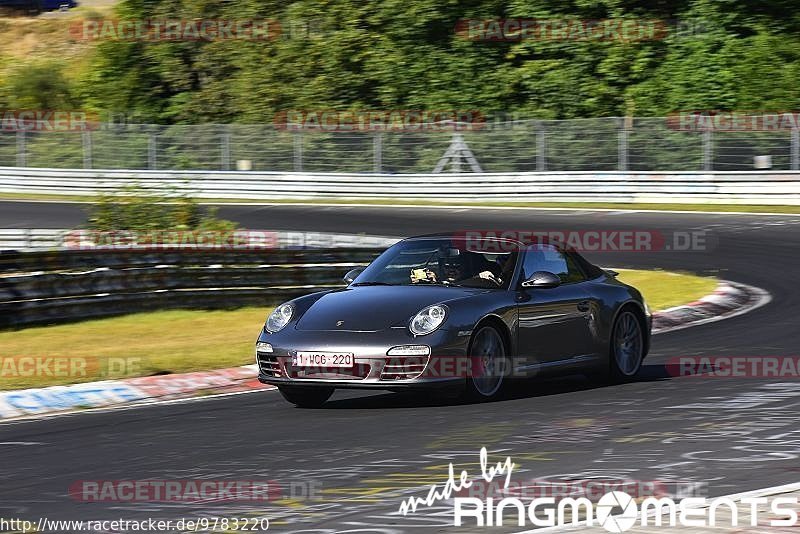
(583, 306)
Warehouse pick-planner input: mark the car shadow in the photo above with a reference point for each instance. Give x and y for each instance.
(514, 390)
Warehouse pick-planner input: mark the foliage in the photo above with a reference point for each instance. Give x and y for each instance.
(406, 54)
(136, 208)
(39, 86)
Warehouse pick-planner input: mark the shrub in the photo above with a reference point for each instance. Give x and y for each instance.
(137, 208)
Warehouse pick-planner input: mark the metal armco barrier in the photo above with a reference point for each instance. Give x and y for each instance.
(51, 239)
(57, 286)
(756, 187)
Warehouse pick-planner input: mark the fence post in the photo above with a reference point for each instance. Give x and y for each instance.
(226, 151)
(87, 149)
(22, 155)
(152, 161)
(795, 149)
(708, 151)
(456, 160)
(298, 152)
(622, 145)
(377, 152)
(541, 147)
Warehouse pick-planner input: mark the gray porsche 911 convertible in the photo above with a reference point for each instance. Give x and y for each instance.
(457, 313)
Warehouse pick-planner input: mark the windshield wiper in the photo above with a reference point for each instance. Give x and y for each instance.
(372, 284)
(444, 283)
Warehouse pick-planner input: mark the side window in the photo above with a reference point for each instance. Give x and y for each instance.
(549, 258)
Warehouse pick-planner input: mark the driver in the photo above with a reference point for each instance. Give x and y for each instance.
(454, 270)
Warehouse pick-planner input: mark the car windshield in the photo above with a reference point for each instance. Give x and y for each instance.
(446, 261)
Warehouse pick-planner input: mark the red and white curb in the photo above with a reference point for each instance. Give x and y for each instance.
(29, 403)
(728, 300)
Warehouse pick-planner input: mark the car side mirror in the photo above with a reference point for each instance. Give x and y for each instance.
(352, 274)
(542, 280)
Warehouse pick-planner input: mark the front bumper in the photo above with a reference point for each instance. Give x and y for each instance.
(421, 383)
(373, 368)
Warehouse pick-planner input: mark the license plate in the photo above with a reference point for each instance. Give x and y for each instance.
(323, 359)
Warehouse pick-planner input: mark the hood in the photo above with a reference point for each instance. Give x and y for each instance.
(373, 308)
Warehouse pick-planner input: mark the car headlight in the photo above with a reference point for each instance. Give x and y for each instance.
(428, 320)
(279, 317)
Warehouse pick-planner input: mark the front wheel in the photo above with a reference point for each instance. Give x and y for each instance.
(487, 355)
(305, 396)
(627, 346)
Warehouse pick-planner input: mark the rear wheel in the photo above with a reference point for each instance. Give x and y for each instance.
(487, 355)
(627, 346)
(306, 397)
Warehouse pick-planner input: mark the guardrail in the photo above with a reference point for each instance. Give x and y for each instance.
(58, 286)
(767, 187)
(29, 239)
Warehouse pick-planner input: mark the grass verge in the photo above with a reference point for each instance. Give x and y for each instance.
(172, 341)
(664, 289)
(182, 341)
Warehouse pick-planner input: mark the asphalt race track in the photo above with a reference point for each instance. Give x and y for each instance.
(364, 453)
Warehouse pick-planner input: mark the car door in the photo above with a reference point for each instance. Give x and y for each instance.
(554, 323)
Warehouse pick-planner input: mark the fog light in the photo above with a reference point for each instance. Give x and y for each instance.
(263, 347)
(409, 350)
